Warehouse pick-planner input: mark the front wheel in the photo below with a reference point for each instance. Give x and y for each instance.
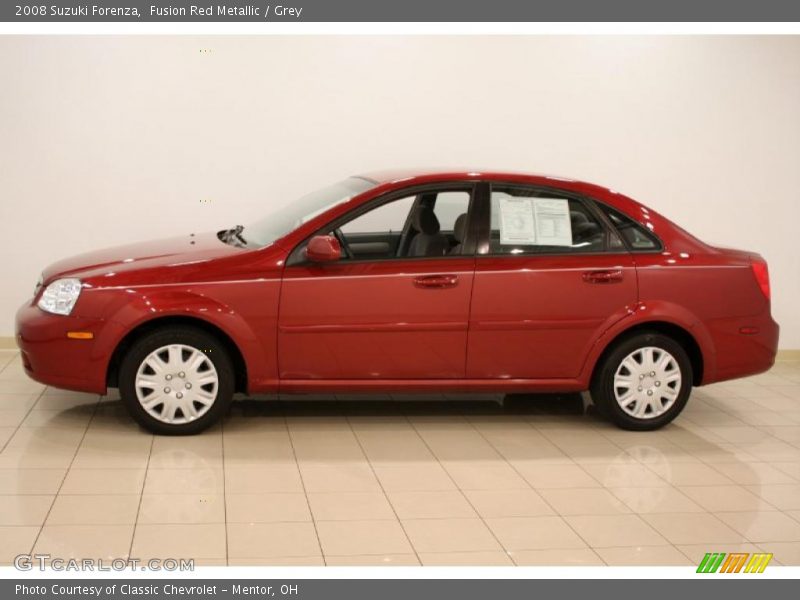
(644, 382)
(176, 381)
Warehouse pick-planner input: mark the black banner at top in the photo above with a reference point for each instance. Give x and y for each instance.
(400, 11)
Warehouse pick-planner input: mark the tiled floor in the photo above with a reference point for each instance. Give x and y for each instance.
(464, 481)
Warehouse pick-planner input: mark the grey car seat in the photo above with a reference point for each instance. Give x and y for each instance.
(428, 241)
(459, 232)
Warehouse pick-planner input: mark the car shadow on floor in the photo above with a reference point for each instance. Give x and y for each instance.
(367, 405)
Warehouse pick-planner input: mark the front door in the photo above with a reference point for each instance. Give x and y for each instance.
(395, 306)
(550, 277)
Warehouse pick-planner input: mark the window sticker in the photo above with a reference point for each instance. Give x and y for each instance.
(517, 221)
(535, 221)
(553, 226)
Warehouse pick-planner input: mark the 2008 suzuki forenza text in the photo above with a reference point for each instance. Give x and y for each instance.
(408, 281)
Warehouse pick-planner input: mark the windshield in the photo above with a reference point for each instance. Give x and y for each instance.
(290, 217)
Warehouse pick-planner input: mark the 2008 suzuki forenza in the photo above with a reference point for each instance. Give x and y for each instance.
(408, 281)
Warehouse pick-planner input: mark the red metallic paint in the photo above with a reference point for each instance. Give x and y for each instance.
(464, 323)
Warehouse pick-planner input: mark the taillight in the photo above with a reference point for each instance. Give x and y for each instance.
(761, 273)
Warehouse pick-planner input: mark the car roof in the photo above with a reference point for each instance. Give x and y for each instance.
(410, 176)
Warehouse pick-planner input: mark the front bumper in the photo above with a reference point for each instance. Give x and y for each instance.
(50, 357)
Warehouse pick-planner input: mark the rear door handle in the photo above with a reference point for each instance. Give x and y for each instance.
(436, 281)
(607, 276)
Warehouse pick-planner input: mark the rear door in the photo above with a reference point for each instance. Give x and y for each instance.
(550, 277)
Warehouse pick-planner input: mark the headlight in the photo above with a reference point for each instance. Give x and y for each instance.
(60, 296)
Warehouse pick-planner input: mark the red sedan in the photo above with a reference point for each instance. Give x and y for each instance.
(408, 281)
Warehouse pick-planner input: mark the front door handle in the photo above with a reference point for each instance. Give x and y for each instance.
(606, 276)
(436, 281)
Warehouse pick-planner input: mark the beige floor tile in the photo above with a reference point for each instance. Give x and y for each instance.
(210, 481)
(484, 475)
(350, 506)
(376, 560)
(17, 402)
(342, 538)
(87, 541)
(557, 557)
(508, 503)
(103, 481)
(94, 510)
(54, 399)
(753, 473)
(74, 418)
(584, 501)
(15, 541)
(693, 528)
(267, 508)
(625, 472)
(466, 559)
(339, 477)
(685, 474)
(24, 510)
(412, 476)
(267, 540)
(656, 556)
(661, 499)
(787, 553)
(603, 531)
(9, 421)
(543, 476)
(186, 452)
(783, 497)
(715, 498)
(431, 505)
(763, 526)
(534, 533)
(40, 456)
(792, 469)
(274, 561)
(30, 481)
(449, 535)
(179, 541)
(263, 479)
(182, 509)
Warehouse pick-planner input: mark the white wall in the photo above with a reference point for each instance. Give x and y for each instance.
(105, 140)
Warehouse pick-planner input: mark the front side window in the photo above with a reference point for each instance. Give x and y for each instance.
(426, 224)
(531, 221)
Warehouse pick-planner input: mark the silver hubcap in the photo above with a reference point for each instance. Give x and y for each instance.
(647, 382)
(176, 384)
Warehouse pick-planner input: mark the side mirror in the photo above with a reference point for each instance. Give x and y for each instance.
(323, 249)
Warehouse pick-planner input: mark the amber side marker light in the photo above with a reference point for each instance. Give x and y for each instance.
(80, 335)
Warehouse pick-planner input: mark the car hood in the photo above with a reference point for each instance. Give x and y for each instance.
(171, 252)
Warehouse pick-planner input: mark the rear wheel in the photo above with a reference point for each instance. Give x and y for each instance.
(176, 381)
(644, 382)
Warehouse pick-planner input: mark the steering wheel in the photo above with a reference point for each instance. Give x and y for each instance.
(337, 233)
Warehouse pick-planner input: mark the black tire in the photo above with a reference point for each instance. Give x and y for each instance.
(603, 392)
(187, 336)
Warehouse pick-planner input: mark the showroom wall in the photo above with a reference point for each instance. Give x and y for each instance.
(106, 141)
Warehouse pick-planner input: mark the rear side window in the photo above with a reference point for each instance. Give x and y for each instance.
(531, 221)
(636, 236)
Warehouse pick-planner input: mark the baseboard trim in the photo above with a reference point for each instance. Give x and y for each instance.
(10, 343)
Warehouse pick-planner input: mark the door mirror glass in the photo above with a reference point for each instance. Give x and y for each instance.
(323, 249)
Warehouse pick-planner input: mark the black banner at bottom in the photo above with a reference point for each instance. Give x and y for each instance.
(734, 587)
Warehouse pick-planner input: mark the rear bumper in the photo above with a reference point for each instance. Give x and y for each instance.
(50, 357)
(743, 346)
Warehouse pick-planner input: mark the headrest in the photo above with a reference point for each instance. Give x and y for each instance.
(460, 227)
(424, 220)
